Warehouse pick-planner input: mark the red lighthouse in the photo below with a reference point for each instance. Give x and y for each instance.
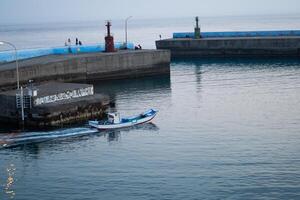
(109, 40)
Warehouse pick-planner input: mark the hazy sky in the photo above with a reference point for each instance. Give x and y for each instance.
(28, 11)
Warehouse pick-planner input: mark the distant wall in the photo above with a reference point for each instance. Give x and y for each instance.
(239, 34)
(229, 47)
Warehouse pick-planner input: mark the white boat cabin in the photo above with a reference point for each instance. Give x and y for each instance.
(114, 118)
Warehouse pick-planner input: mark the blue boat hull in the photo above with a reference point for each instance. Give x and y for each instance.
(125, 122)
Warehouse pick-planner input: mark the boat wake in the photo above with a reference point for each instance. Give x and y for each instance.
(16, 139)
(10, 140)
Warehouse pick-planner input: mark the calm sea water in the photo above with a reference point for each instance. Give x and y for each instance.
(143, 32)
(226, 129)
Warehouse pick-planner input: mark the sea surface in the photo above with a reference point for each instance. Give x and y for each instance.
(226, 128)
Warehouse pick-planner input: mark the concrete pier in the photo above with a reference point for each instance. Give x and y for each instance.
(277, 46)
(52, 104)
(87, 67)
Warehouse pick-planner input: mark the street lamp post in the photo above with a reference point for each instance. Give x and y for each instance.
(16, 57)
(126, 21)
(18, 80)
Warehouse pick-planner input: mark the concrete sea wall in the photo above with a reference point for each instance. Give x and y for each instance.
(230, 47)
(54, 114)
(53, 104)
(8, 56)
(87, 67)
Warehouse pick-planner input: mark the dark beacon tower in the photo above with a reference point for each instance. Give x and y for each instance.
(109, 40)
(197, 29)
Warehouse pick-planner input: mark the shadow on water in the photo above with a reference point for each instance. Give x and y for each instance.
(30, 140)
(149, 85)
(114, 135)
(238, 62)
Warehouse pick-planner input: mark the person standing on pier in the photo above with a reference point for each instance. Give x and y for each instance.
(69, 46)
(69, 42)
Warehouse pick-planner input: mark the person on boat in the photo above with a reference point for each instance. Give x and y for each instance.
(80, 43)
(76, 41)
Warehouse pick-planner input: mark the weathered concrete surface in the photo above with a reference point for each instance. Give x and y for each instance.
(69, 111)
(231, 47)
(128, 64)
(53, 113)
(87, 66)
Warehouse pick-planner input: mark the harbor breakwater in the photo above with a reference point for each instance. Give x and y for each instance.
(86, 67)
(233, 44)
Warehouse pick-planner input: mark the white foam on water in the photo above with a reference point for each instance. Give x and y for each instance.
(32, 137)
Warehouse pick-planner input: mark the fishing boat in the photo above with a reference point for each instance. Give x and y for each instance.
(114, 120)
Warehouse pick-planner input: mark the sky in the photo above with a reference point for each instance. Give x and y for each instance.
(36, 11)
